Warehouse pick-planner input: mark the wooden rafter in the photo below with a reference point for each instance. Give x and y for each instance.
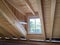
(8, 30)
(15, 7)
(7, 13)
(4, 32)
(2, 24)
(30, 6)
(41, 16)
(53, 6)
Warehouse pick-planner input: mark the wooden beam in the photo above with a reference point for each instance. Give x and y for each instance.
(16, 7)
(30, 6)
(41, 17)
(4, 32)
(7, 13)
(6, 25)
(32, 42)
(53, 6)
(15, 32)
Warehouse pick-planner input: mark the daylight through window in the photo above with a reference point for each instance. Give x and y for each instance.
(35, 26)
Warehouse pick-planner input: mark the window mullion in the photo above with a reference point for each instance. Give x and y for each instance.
(35, 24)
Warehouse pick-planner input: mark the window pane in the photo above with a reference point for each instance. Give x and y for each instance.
(35, 26)
(32, 25)
(38, 26)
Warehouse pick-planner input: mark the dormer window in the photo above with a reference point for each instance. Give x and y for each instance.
(34, 25)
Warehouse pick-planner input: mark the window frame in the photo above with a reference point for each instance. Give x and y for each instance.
(32, 17)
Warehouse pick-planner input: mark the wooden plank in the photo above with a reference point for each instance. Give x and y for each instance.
(4, 23)
(30, 6)
(41, 16)
(16, 7)
(7, 13)
(30, 42)
(4, 32)
(8, 27)
(53, 6)
(57, 20)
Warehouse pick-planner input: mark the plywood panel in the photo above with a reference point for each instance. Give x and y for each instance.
(57, 21)
(18, 4)
(4, 33)
(12, 20)
(5, 24)
(47, 16)
(16, 12)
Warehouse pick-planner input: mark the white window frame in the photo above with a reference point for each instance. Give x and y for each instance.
(31, 17)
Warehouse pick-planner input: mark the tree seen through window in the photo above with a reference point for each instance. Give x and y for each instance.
(35, 26)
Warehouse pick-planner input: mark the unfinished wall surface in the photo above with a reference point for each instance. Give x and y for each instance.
(46, 5)
(50, 31)
(12, 20)
(56, 33)
(16, 12)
